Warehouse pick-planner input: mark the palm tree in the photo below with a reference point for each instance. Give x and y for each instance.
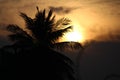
(44, 30)
(41, 34)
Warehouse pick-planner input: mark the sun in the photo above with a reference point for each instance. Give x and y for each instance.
(73, 36)
(76, 34)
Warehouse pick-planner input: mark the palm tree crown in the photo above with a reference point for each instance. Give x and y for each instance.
(44, 30)
(43, 33)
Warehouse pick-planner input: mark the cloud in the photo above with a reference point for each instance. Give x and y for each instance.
(9, 9)
(103, 34)
(106, 7)
(100, 59)
(61, 9)
(109, 37)
(106, 1)
(3, 1)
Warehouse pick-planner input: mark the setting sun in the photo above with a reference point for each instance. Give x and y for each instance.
(73, 36)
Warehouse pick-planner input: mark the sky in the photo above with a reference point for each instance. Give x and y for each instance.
(97, 20)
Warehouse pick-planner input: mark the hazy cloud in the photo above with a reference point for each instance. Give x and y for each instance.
(106, 7)
(110, 36)
(61, 9)
(106, 1)
(9, 10)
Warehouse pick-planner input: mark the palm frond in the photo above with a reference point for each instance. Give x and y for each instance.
(39, 22)
(64, 58)
(50, 24)
(29, 21)
(49, 16)
(40, 16)
(37, 8)
(59, 33)
(65, 21)
(62, 23)
(17, 37)
(18, 33)
(67, 67)
(13, 28)
(43, 24)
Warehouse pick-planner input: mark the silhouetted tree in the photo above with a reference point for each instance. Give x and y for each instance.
(42, 32)
(43, 29)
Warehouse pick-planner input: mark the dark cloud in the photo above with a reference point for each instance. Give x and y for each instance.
(100, 59)
(110, 36)
(61, 9)
(4, 1)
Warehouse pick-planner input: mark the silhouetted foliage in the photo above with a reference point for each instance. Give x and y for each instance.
(44, 30)
(73, 45)
(33, 57)
(47, 64)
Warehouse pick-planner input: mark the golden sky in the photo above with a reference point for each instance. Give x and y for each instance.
(91, 18)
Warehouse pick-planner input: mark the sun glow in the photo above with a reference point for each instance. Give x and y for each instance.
(74, 35)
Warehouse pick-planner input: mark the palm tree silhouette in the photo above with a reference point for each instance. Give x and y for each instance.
(43, 29)
(42, 33)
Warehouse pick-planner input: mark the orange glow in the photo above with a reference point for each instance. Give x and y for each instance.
(74, 35)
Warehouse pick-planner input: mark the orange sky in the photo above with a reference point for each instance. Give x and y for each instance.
(90, 17)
